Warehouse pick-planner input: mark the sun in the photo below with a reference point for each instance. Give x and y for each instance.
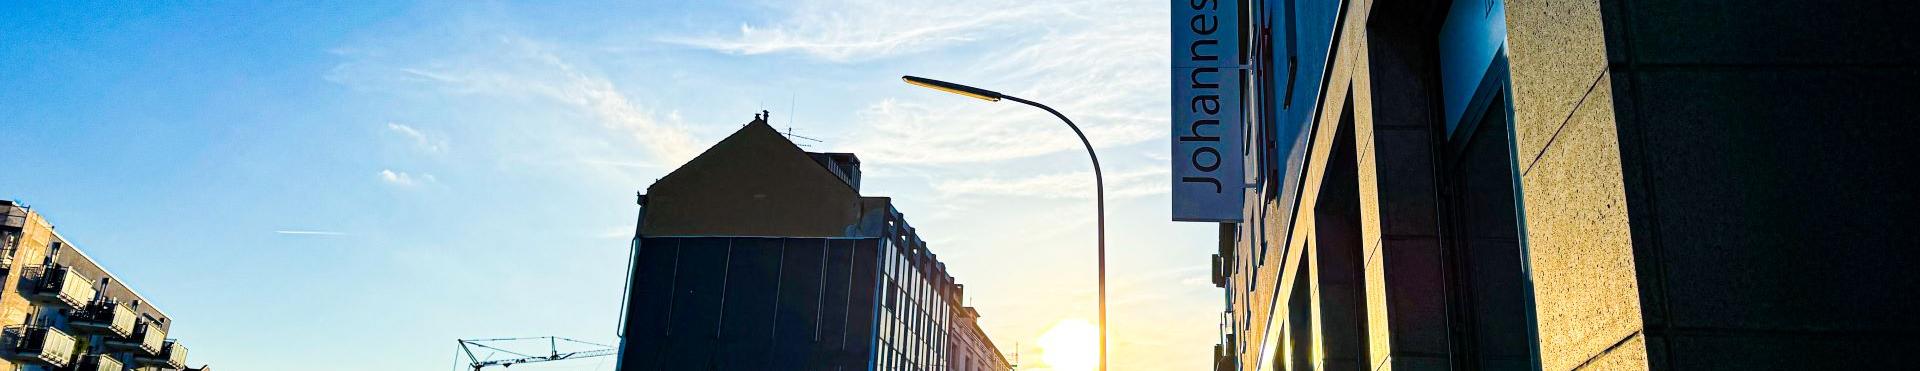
(1071, 345)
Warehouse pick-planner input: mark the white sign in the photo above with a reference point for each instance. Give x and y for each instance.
(1208, 177)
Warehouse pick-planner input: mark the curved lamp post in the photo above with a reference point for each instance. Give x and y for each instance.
(1099, 184)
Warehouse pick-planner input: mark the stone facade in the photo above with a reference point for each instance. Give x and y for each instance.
(969, 347)
(1692, 185)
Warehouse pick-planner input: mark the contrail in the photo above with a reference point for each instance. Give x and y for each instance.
(310, 233)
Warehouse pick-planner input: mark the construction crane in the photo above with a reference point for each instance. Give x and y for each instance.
(553, 351)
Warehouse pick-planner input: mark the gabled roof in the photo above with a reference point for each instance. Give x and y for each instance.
(758, 137)
(753, 183)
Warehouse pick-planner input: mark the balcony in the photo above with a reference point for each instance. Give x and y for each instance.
(41, 345)
(98, 362)
(171, 356)
(104, 317)
(6, 250)
(1223, 359)
(8, 247)
(61, 285)
(147, 340)
(1219, 271)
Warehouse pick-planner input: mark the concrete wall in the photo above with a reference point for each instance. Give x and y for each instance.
(1758, 142)
(1702, 185)
(1383, 88)
(1708, 187)
(1585, 282)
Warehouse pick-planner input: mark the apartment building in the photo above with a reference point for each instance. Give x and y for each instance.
(61, 310)
(970, 349)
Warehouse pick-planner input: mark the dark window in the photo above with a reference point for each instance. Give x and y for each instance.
(1486, 259)
(1339, 255)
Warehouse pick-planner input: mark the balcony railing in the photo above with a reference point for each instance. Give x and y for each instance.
(9, 242)
(1219, 271)
(43, 345)
(98, 362)
(147, 340)
(61, 285)
(172, 355)
(105, 317)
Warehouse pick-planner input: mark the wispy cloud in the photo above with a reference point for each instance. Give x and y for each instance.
(616, 232)
(420, 139)
(308, 233)
(1102, 64)
(917, 132)
(668, 142)
(403, 179)
(516, 66)
(869, 29)
(1073, 185)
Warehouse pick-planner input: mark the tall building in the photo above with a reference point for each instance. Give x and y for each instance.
(1553, 185)
(757, 255)
(62, 311)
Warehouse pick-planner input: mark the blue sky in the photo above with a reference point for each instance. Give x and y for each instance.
(353, 186)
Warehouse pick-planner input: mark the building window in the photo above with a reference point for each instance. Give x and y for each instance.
(893, 295)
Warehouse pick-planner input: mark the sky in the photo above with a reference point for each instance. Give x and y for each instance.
(353, 186)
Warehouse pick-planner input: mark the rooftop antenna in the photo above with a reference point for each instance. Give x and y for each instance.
(791, 136)
(1016, 355)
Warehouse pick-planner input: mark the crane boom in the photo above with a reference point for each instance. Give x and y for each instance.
(553, 351)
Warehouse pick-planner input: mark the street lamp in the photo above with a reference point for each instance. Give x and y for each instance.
(1099, 184)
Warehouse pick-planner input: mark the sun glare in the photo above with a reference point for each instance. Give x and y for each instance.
(1071, 345)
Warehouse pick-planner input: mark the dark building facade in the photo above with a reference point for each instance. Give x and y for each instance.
(1571, 185)
(757, 255)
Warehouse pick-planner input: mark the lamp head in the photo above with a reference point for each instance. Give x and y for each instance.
(969, 91)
